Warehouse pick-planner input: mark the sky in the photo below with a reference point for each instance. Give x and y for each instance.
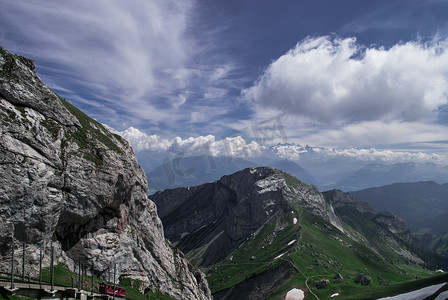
(356, 76)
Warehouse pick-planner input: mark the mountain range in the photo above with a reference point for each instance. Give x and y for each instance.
(260, 231)
(191, 171)
(343, 174)
(423, 205)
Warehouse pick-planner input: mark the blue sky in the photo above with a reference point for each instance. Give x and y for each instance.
(341, 74)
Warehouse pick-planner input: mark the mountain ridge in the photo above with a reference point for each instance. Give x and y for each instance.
(263, 217)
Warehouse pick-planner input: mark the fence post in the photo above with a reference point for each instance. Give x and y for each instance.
(79, 275)
(52, 267)
(12, 263)
(115, 272)
(23, 264)
(92, 279)
(40, 266)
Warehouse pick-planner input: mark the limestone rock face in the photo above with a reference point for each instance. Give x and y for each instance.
(211, 220)
(65, 178)
(339, 199)
(392, 225)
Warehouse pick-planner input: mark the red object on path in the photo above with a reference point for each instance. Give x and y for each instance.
(108, 289)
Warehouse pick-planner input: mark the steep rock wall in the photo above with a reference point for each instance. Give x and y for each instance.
(65, 178)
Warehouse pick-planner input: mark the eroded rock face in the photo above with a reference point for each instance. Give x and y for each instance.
(211, 220)
(224, 213)
(65, 178)
(339, 199)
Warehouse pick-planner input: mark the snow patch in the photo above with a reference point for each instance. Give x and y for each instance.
(295, 294)
(334, 295)
(418, 294)
(278, 256)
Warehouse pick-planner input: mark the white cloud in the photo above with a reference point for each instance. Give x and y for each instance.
(239, 147)
(136, 63)
(121, 54)
(141, 141)
(376, 133)
(192, 146)
(336, 81)
(298, 152)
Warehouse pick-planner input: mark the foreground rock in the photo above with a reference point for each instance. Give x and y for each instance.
(65, 178)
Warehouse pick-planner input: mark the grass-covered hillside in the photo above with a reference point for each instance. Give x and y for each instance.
(368, 254)
(312, 249)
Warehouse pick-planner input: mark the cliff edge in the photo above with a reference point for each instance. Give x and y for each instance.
(65, 178)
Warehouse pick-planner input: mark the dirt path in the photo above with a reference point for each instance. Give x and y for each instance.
(306, 281)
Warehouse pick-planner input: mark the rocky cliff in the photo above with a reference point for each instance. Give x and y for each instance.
(339, 199)
(65, 178)
(391, 231)
(211, 220)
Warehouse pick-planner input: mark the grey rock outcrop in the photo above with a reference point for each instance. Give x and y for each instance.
(323, 283)
(338, 278)
(363, 279)
(394, 224)
(393, 229)
(65, 178)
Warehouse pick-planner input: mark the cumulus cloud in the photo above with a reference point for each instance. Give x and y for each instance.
(238, 147)
(142, 141)
(337, 81)
(376, 133)
(192, 146)
(298, 152)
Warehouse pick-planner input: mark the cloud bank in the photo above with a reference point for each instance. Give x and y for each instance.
(193, 146)
(336, 81)
(239, 147)
(297, 152)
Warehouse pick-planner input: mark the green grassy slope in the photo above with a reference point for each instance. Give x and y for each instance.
(319, 252)
(64, 277)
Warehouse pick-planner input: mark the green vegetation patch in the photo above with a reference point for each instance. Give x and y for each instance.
(65, 277)
(132, 291)
(320, 252)
(395, 289)
(89, 131)
(52, 126)
(324, 251)
(291, 180)
(257, 254)
(7, 73)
